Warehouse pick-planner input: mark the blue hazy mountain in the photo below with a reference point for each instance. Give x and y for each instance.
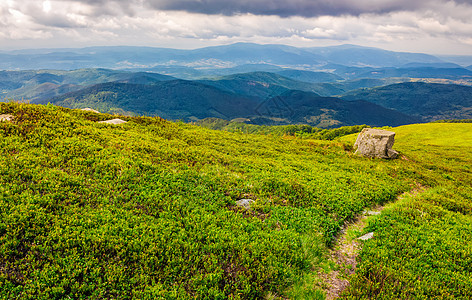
(216, 57)
(310, 76)
(417, 72)
(462, 60)
(352, 55)
(442, 65)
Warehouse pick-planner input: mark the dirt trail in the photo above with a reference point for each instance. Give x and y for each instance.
(347, 248)
(344, 254)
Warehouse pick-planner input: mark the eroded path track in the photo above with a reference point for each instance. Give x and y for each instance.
(347, 248)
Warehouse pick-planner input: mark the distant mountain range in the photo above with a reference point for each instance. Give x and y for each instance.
(418, 72)
(352, 55)
(262, 84)
(43, 84)
(191, 101)
(258, 97)
(215, 58)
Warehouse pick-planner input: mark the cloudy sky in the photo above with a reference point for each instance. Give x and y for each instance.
(430, 26)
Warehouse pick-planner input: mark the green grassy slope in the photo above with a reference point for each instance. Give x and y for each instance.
(303, 131)
(437, 134)
(423, 243)
(147, 209)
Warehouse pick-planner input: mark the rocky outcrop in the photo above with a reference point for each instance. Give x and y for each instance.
(114, 121)
(376, 143)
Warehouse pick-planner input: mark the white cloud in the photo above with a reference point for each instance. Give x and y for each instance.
(319, 33)
(426, 26)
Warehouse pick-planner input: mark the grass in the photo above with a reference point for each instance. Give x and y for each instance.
(436, 134)
(423, 243)
(147, 210)
(301, 131)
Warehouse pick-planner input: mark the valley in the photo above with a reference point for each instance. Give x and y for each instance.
(261, 84)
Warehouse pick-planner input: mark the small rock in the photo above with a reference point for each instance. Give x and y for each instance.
(90, 109)
(366, 237)
(373, 213)
(6, 118)
(392, 153)
(114, 121)
(246, 203)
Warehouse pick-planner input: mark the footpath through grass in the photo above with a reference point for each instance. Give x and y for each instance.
(146, 209)
(423, 244)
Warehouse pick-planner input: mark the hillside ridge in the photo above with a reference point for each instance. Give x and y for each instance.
(89, 208)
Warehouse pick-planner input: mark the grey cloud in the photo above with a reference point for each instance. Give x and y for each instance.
(287, 8)
(54, 20)
(283, 8)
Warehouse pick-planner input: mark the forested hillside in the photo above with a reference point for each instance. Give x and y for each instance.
(430, 101)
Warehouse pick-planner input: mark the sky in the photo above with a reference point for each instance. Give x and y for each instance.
(428, 26)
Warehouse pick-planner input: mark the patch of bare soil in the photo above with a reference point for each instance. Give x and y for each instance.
(344, 254)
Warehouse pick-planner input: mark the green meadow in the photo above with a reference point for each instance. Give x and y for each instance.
(147, 210)
(423, 243)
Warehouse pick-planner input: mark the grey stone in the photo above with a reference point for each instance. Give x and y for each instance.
(246, 203)
(114, 121)
(90, 109)
(392, 153)
(6, 118)
(375, 143)
(372, 213)
(366, 237)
